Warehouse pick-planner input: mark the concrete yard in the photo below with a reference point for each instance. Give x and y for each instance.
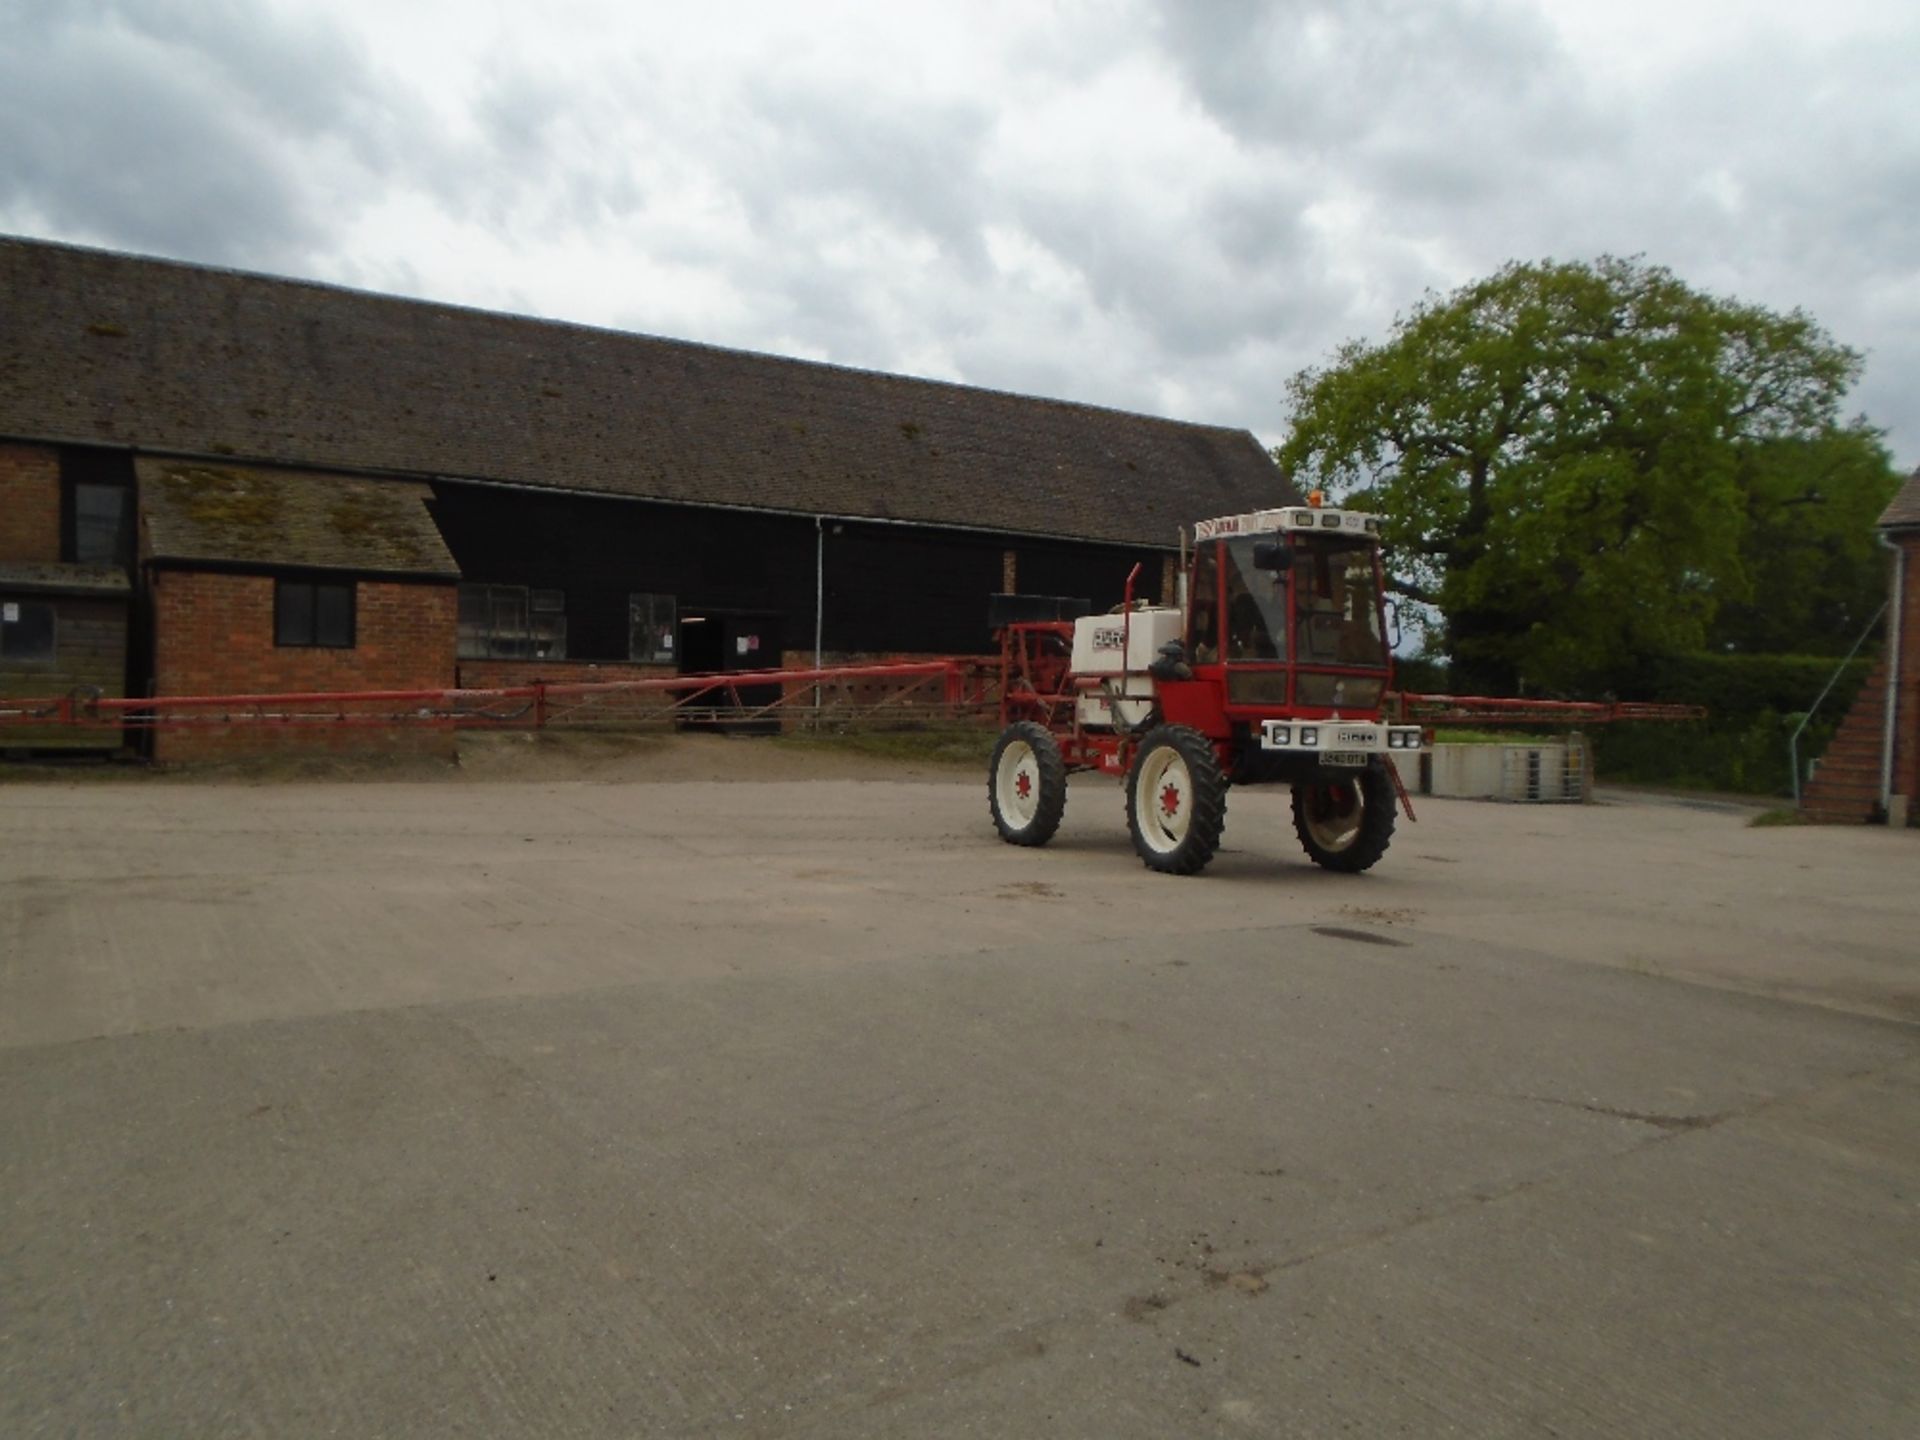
(646, 1104)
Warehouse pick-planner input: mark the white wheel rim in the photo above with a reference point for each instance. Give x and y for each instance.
(1163, 800)
(1337, 828)
(1016, 785)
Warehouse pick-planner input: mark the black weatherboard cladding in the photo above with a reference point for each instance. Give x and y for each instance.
(888, 587)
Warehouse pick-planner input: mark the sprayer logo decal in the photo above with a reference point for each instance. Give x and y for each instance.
(1225, 525)
(1108, 638)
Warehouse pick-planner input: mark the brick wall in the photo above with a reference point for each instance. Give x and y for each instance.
(1906, 745)
(213, 635)
(29, 502)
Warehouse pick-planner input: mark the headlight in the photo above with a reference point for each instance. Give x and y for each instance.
(1283, 734)
(1309, 735)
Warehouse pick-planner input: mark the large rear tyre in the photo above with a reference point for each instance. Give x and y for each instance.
(1176, 800)
(1026, 784)
(1345, 824)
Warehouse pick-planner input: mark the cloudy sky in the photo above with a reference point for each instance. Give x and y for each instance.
(1157, 205)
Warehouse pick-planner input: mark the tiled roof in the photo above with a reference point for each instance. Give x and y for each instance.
(47, 578)
(185, 360)
(241, 515)
(1905, 509)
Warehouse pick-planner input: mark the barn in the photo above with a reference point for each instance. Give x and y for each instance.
(305, 486)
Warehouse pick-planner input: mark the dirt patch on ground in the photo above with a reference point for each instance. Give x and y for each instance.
(563, 755)
(558, 755)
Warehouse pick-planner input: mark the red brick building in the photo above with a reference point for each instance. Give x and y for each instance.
(600, 503)
(65, 591)
(277, 582)
(1871, 770)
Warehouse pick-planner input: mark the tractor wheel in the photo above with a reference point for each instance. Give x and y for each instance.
(1176, 800)
(1345, 824)
(1026, 784)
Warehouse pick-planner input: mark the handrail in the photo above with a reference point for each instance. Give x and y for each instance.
(1793, 740)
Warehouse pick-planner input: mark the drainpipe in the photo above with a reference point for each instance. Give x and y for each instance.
(1891, 721)
(819, 598)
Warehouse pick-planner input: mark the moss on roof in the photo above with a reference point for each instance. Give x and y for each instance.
(226, 507)
(237, 514)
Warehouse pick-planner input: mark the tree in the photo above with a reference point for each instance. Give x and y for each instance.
(1582, 464)
(1813, 574)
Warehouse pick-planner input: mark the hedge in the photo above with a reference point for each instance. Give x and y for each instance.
(1754, 703)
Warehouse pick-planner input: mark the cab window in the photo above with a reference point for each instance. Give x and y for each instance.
(1338, 599)
(1256, 604)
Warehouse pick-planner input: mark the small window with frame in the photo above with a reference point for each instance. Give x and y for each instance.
(27, 630)
(102, 524)
(313, 614)
(512, 622)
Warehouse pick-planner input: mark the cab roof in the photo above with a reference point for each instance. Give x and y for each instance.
(1293, 517)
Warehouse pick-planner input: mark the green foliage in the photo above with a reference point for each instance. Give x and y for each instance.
(1422, 675)
(1449, 736)
(1747, 756)
(1813, 576)
(1582, 464)
(1737, 686)
(1754, 703)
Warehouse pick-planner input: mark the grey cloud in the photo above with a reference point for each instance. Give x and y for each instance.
(159, 128)
(916, 165)
(1455, 136)
(1235, 265)
(1319, 74)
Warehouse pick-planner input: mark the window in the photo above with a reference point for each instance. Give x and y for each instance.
(512, 622)
(313, 613)
(650, 627)
(1339, 607)
(1256, 604)
(97, 507)
(102, 524)
(26, 630)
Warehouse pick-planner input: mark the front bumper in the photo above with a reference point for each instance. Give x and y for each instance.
(1340, 737)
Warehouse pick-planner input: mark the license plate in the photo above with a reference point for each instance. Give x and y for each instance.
(1354, 759)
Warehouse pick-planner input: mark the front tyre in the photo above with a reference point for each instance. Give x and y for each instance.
(1176, 800)
(1026, 784)
(1345, 824)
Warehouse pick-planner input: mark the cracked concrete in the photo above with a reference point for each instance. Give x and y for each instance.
(808, 1109)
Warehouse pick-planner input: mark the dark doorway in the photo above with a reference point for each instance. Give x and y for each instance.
(701, 639)
(720, 642)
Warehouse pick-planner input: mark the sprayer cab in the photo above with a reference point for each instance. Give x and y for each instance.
(1272, 667)
(1290, 606)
